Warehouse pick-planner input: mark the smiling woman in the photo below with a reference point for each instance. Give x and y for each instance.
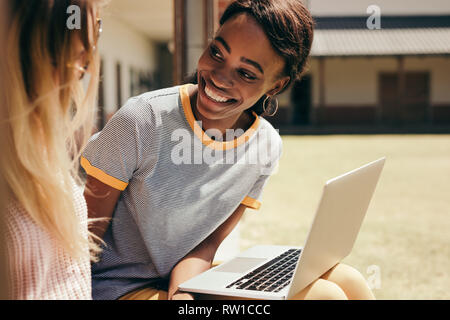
(169, 217)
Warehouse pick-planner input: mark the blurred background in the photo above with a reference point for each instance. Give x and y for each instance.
(367, 93)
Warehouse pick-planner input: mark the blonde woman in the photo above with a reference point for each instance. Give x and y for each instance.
(46, 113)
(3, 274)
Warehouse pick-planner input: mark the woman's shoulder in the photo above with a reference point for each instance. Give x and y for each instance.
(267, 130)
(20, 223)
(149, 107)
(156, 100)
(159, 95)
(24, 237)
(270, 145)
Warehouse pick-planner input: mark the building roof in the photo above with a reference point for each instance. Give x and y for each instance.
(387, 22)
(399, 35)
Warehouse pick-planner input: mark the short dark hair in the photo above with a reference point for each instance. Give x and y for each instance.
(288, 25)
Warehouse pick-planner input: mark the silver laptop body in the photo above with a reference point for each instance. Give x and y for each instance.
(280, 272)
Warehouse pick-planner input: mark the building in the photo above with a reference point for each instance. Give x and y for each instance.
(134, 50)
(396, 75)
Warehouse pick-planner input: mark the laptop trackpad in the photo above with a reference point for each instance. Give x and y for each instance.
(240, 265)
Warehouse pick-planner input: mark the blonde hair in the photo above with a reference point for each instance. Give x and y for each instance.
(49, 117)
(4, 266)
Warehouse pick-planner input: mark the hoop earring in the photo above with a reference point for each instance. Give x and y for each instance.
(271, 102)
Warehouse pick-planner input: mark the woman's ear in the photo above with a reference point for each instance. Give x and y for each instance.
(279, 86)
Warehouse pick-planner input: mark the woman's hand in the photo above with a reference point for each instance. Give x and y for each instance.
(182, 296)
(196, 262)
(200, 259)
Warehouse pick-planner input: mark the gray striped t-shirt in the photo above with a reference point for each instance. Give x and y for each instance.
(178, 185)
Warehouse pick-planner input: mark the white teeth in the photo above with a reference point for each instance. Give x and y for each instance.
(214, 96)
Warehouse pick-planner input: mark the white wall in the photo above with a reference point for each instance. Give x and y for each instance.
(354, 81)
(388, 7)
(120, 42)
(351, 81)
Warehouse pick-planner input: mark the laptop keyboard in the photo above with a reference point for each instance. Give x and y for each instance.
(272, 276)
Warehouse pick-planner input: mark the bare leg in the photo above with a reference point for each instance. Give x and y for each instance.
(351, 281)
(321, 290)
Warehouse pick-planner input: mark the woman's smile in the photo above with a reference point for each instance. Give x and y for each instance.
(210, 93)
(213, 98)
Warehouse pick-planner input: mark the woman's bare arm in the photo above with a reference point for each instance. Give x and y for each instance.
(201, 258)
(101, 200)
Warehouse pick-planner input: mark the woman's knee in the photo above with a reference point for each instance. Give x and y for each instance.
(350, 280)
(346, 276)
(322, 290)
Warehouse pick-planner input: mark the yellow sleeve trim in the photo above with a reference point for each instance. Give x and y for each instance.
(251, 203)
(101, 176)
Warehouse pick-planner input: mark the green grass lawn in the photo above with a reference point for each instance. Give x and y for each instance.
(406, 232)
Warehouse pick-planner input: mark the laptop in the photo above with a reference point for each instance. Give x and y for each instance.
(280, 272)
